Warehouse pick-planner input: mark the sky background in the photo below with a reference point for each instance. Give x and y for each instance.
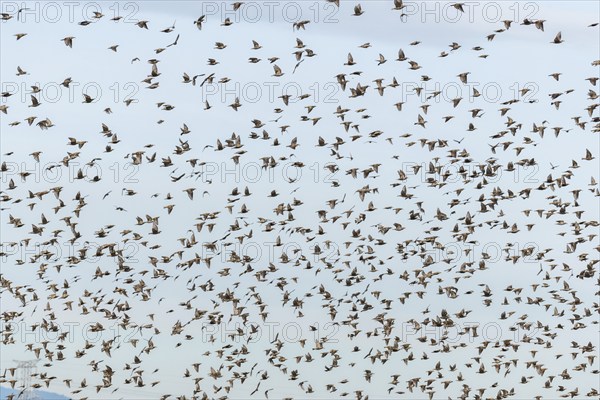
(521, 57)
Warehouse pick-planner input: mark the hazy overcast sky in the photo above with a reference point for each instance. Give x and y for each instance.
(521, 57)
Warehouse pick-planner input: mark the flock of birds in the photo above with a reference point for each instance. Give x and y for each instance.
(366, 263)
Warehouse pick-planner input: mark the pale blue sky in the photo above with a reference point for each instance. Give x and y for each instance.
(521, 57)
